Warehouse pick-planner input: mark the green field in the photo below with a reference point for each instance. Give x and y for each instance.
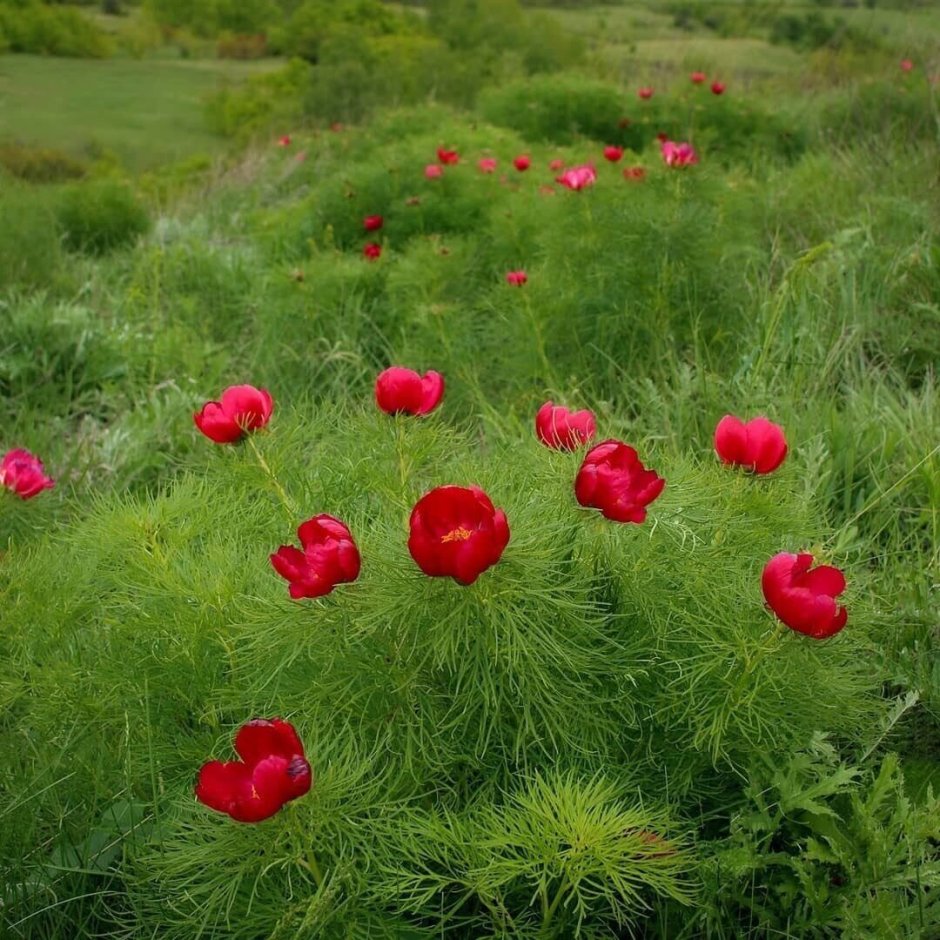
(639, 716)
(146, 112)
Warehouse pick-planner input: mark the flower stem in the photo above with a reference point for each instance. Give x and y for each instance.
(282, 495)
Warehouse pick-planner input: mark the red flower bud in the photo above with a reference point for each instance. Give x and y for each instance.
(456, 532)
(22, 473)
(329, 557)
(758, 445)
(242, 408)
(448, 157)
(522, 163)
(718, 88)
(372, 223)
(403, 390)
(372, 251)
(803, 599)
(562, 429)
(613, 480)
(697, 78)
(645, 93)
(272, 771)
(516, 278)
(613, 154)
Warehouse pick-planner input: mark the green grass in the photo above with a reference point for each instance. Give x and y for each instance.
(146, 112)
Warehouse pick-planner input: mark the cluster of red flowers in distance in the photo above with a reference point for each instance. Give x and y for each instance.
(272, 771)
(22, 473)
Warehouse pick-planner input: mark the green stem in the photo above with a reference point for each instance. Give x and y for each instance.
(400, 448)
(539, 338)
(282, 495)
(548, 912)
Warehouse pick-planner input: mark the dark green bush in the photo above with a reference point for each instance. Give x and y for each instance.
(98, 217)
(31, 26)
(40, 164)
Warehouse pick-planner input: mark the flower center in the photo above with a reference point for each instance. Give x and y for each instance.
(460, 534)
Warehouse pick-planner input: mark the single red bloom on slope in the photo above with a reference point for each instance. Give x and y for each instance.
(613, 154)
(487, 165)
(522, 162)
(804, 599)
(556, 165)
(561, 429)
(456, 532)
(402, 390)
(678, 155)
(516, 278)
(907, 65)
(242, 408)
(634, 173)
(434, 171)
(372, 223)
(372, 251)
(284, 140)
(23, 473)
(448, 157)
(578, 177)
(718, 88)
(329, 557)
(645, 93)
(758, 444)
(614, 480)
(272, 771)
(697, 78)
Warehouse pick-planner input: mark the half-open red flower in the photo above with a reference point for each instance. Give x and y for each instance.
(402, 390)
(272, 771)
(372, 223)
(562, 429)
(758, 444)
(697, 78)
(487, 165)
(456, 532)
(372, 251)
(329, 557)
(241, 408)
(522, 162)
(645, 93)
(23, 473)
(718, 88)
(613, 154)
(448, 157)
(613, 480)
(516, 278)
(804, 597)
(578, 177)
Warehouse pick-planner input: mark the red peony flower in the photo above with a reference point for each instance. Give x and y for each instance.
(718, 88)
(516, 278)
(372, 223)
(272, 771)
(329, 557)
(678, 155)
(487, 165)
(907, 65)
(433, 171)
(562, 429)
(284, 140)
(242, 408)
(372, 251)
(759, 444)
(578, 177)
(448, 157)
(403, 390)
(456, 532)
(645, 93)
(613, 154)
(556, 165)
(697, 78)
(634, 173)
(803, 599)
(522, 162)
(613, 480)
(23, 473)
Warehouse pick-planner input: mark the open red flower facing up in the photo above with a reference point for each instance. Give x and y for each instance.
(272, 771)
(448, 157)
(557, 427)
(522, 162)
(758, 444)
(803, 597)
(678, 155)
(23, 473)
(487, 164)
(516, 278)
(456, 532)
(697, 78)
(402, 390)
(718, 88)
(242, 408)
(645, 93)
(613, 480)
(613, 154)
(329, 557)
(372, 223)
(372, 251)
(578, 177)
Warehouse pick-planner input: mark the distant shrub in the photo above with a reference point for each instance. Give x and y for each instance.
(98, 217)
(29, 241)
(39, 164)
(555, 108)
(251, 46)
(30, 26)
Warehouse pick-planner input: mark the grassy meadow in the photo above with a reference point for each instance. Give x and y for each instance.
(609, 734)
